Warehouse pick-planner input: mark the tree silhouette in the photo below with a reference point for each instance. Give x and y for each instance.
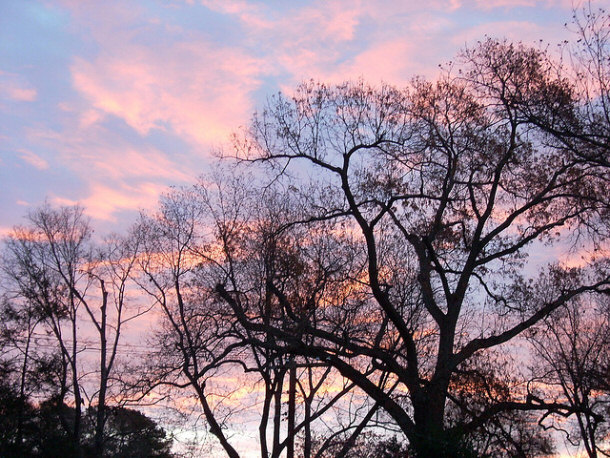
(447, 186)
(571, 347)
(57, 280)
(201, 341)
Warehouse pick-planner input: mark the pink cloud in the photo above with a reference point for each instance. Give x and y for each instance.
(13, 87)
(522, 31)
(248, 13)
(384, 62)
(402, 41)
(103, 201)
(5, 231)
(132, 163)
(323, 40)
(23, 95)
(309, 37)
(238, 7)
(33, 159)
(491, 4)
(197, 88)
(202, 92)
(331, 21)
(93, 151)
(118, 175)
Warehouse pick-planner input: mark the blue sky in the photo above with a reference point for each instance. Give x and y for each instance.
(109, 103)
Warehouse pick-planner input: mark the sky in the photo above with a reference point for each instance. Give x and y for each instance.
(108, 103)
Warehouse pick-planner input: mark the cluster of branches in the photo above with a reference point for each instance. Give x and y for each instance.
(364, 267)
(63, 312)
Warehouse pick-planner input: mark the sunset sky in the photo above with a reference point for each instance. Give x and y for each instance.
(109, 103)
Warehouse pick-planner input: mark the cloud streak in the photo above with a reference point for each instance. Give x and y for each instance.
(33, 159)
(13, 88)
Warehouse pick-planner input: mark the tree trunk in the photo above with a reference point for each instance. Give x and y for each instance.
(100, 418)
(292, 388)
(431, 439)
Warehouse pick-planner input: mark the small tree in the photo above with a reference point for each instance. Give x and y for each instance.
(131, 433)
(197, 237)
(570, 347)
(56, 280)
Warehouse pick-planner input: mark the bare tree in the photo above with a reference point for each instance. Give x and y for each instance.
(571, 346)
(111, 270)
(447, 186)
(193, 341)
(42, 260)
(199, 236)
(587, 58)
(62, 281)
(385, 252)
(477, 386)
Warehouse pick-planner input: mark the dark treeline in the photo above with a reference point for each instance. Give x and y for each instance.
(370, 271)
